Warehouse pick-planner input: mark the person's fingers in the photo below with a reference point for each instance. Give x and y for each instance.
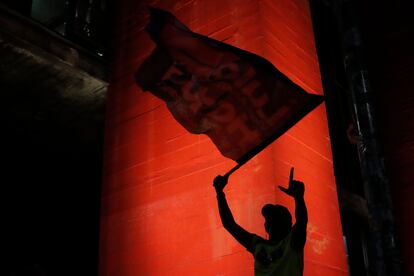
(291, 175)
(216, 180)
(298, 183)
(220, 181)
(283, 189)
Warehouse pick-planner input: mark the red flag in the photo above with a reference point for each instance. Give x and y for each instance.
(239, 99)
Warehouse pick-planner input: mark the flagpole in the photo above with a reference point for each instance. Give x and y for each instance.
(315, 99)
(232, 170)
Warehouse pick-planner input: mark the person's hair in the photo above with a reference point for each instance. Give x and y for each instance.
(281, 213)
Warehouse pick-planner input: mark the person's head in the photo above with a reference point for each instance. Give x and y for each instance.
(278, 220)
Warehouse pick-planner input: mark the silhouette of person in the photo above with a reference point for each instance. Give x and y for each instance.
(282, 253)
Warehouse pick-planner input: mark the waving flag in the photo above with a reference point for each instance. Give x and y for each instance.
(239, 99)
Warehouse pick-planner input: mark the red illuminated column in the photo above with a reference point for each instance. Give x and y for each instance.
(159, 211)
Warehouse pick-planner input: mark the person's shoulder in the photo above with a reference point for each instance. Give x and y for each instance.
(256, 239)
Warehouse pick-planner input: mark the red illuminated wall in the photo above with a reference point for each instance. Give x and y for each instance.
(159, 211)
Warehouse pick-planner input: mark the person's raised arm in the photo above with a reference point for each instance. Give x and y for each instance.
(296, 189)
(242, 236)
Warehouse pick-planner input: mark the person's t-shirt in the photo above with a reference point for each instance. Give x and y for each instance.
(276, 259)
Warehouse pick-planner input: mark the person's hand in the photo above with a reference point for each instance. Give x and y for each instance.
(220, 182)
(296, 189)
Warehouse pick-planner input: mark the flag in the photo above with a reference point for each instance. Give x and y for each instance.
(237, 98)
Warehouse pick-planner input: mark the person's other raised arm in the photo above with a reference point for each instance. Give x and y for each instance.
(296, 189)
(241, 235)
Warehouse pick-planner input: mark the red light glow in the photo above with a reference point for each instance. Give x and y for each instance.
(159, 211)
